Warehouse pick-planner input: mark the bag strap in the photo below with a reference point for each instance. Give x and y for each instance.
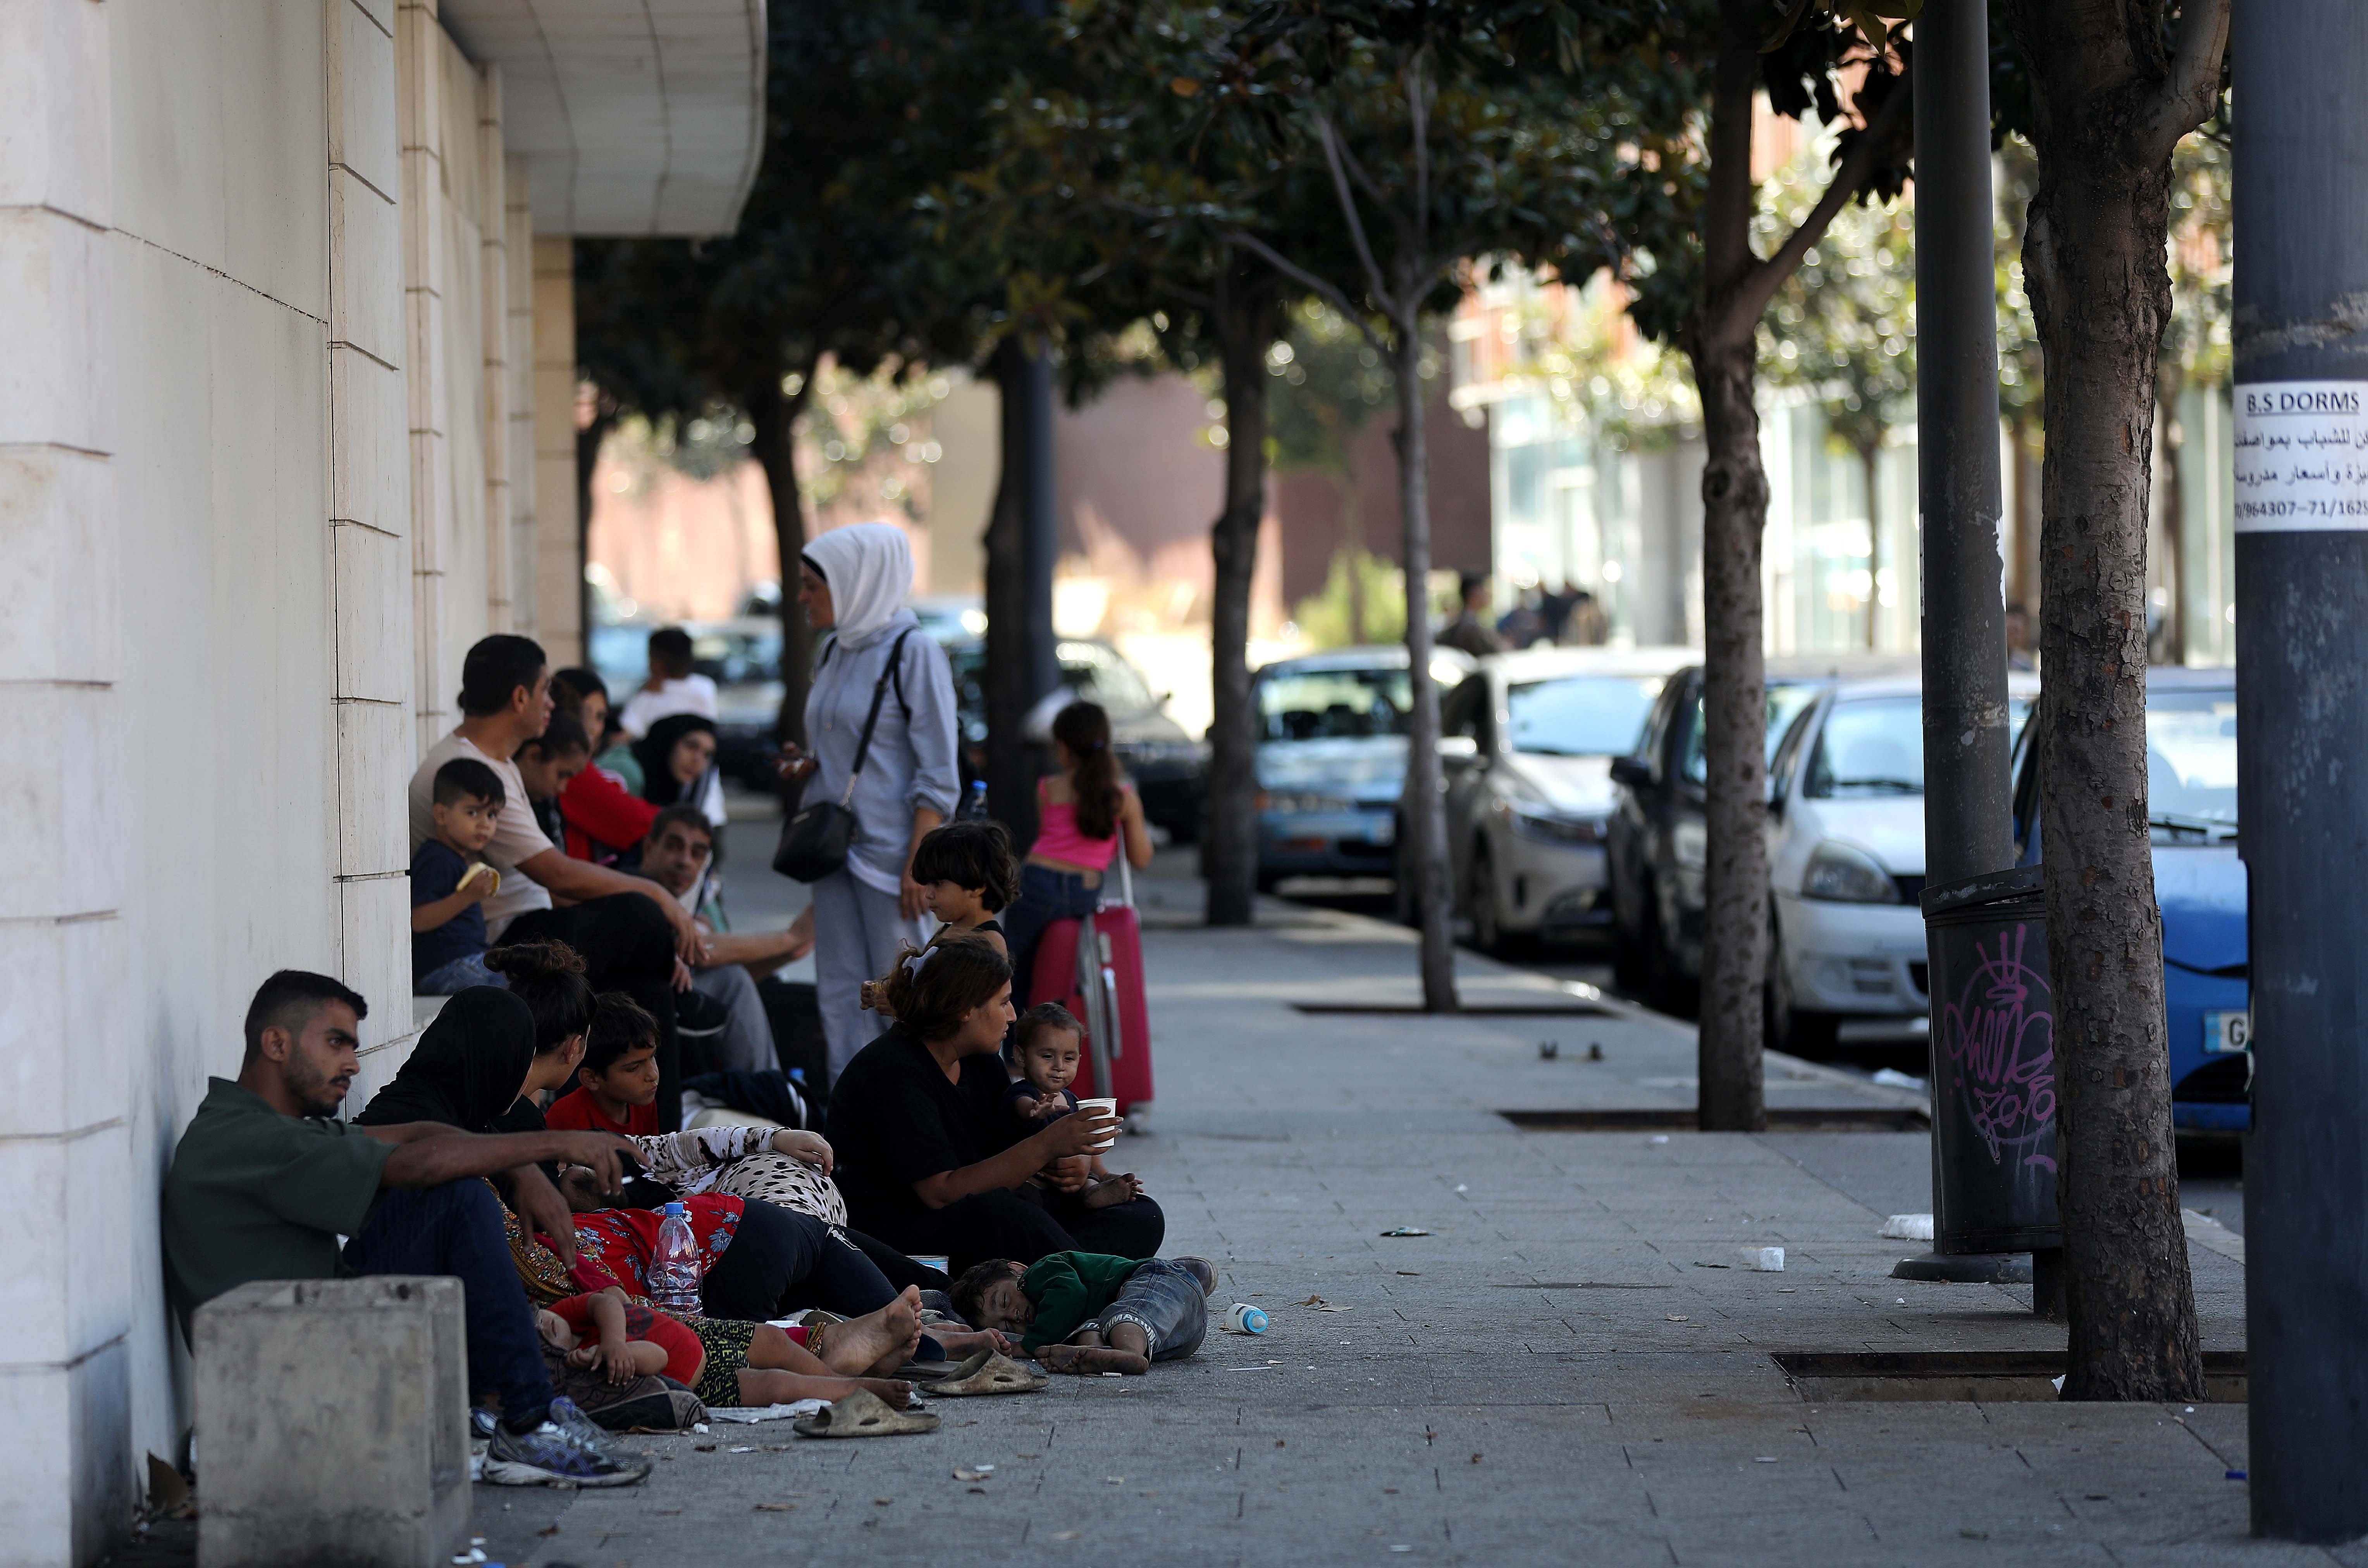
(871, 720)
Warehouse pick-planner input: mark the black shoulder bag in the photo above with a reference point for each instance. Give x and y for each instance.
(815, 842)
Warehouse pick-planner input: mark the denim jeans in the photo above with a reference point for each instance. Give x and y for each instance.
(1045, 895)
(1163, 1299)
(451, 979)
(457, 1229)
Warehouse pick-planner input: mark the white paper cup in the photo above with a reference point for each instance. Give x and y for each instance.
(1094, 1108)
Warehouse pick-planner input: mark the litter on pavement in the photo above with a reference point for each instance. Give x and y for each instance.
(1907, 1228)
(1406, 1231)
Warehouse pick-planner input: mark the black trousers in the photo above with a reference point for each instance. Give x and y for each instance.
(900, 1270)
(1006, 1224)
(780, 1261)
(628, 946)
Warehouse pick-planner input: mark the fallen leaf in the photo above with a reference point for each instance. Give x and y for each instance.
(776, 1507)
(979, 1474)
(1475, 1458)
(1311, 1302)
(883, 1502)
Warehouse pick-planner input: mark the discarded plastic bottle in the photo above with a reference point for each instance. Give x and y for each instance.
(1243, 1318)
(674, 1265)
(973, 806)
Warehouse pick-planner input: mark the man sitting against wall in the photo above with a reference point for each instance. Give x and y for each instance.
(263, 1184)
(634, 937)
(679, 856)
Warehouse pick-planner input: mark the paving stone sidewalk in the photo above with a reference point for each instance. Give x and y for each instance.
(1560, 1371)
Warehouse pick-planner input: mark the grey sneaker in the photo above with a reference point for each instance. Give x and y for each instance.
(568, 1448)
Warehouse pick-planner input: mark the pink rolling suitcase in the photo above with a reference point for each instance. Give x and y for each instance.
(1094, 968)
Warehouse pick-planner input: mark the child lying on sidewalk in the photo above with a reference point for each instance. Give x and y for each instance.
(724, 1362)
(1048, 1043)
(1088, 1313)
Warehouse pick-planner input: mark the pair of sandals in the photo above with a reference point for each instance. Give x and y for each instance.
(865, 1415)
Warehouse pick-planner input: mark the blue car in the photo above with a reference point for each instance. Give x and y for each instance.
(2200, 884)
(1332, 759)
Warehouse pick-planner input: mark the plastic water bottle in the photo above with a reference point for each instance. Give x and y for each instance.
(1243, 1318)
(674, 1265)
(973, 806)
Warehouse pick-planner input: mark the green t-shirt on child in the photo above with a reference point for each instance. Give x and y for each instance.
(1070, 1290)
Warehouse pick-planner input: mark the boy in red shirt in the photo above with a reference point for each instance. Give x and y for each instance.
(617, 1082)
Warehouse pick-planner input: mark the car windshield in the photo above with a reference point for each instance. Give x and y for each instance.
(1099, 674)
(1581, 715)
(1332, 705)
(2192, 758)
(1874, 745)
(1785, 705)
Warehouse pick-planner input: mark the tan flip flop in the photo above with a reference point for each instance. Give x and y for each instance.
(862, 1415)
(987, 1372)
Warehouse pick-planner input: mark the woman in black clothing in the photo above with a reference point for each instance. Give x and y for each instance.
(916, 1119)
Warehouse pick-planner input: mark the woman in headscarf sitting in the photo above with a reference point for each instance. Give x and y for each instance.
(853, 582)
(678, 758)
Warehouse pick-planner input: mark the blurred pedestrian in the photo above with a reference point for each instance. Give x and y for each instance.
(1469, 632)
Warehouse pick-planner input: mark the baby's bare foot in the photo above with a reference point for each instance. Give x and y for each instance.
(1087, 1360)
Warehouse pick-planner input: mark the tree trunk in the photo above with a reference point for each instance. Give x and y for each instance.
(2171, 382)
(2093, 258)
(1735, 728)
(774, 413)
(1247, 325)
(1010, 687)
(1427, 812)
(1870, 460)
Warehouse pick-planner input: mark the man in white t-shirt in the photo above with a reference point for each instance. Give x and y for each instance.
(672, 688)
(633, 933)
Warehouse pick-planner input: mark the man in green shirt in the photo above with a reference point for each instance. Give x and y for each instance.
(265, 1186)
(1088, 1313)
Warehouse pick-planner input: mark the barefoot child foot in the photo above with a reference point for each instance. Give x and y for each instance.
(860, 1345)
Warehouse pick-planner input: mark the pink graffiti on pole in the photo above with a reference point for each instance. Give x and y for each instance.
(2000, 1037)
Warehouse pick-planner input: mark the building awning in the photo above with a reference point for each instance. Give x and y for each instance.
(638, 117)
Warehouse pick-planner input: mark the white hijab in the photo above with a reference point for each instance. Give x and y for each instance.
(870, 569)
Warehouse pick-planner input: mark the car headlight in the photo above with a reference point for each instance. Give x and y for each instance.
(1689, 842)
(1294, 803)
(1558, 830)
(1846, 875)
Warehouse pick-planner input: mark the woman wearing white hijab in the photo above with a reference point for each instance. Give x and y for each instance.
(853, 582)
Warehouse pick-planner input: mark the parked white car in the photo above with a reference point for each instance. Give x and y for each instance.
(1846, 865)
(1526, 747)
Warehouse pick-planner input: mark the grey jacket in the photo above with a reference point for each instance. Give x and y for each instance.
(912, 760)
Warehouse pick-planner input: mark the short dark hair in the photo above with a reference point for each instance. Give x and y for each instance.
(287, 1001)
(620, 1025)
(496, 666)
(669, 651)
(680, 816)
(1469, 583)
(549, 978)
(969, 1290)
(464, 777)
(975, 855)
(1036, 1019)
(564, 733)
(576, 683)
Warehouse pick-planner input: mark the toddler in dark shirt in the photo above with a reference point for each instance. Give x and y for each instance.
(1049, 1043)
(449, 884)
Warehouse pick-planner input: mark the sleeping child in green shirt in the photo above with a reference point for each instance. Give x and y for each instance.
(1089, 1312)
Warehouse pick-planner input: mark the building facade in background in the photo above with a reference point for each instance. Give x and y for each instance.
(286, 422)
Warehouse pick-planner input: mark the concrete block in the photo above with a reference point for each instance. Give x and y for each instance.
(66, 1300)
(370, 444)
(373, 579)
(54, 77)
(57, 536)
(332, 1424)
(373, 777)
(363, 136)
(273, 109)
(364, 268)
(56, 378)
(70, 1492)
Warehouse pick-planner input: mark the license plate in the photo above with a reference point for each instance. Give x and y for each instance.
(2226, 1034)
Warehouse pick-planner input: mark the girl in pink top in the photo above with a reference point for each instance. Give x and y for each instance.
(1085, 810)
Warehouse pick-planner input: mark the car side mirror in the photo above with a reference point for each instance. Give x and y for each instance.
(1458, 750)
(1634, 771)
